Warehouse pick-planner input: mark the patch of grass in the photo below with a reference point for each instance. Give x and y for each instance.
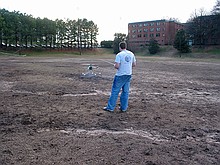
(165, 51)
(10, 53)
(215, 51)
(46, 53)
(170, 51)
(73, 52)
(207, 49)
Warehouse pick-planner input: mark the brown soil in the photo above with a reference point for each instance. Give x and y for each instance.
(49, 114)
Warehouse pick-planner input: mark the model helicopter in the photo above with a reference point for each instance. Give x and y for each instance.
(90, 71)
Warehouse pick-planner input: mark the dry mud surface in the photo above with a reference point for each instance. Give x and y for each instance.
(49, 114)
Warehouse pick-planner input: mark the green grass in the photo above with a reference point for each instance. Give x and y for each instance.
(209, 50)
(169, 51)
(166, 53)
(214, 51)
(50, 53)
(57, 53)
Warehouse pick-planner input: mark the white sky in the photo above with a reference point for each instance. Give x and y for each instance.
(111, 16)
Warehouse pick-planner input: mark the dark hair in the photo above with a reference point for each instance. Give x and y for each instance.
(123, 45)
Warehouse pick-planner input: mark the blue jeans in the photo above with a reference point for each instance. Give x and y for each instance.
(120, 82)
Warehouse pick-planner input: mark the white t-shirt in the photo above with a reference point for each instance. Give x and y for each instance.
(125, 58)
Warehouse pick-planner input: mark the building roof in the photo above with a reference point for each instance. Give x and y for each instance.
(161, 20)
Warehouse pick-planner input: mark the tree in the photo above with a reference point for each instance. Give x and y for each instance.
(153, 46)
(93, 32)
(199, 28)
(180, 42)
(204, 29)
(216, 22)
(61, 32)
(8, 30)
(71, 26)
(27, 30)
(216, 8)
(1, 29)
(174, 19)
(119, 37)
(107, 44)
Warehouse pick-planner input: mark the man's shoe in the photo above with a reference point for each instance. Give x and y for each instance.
(106, 109)
(122, 110)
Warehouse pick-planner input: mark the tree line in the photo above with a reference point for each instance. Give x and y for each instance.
(24, 31)
(204, 29)
(200, 30)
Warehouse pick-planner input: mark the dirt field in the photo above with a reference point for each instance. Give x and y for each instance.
(49, 114)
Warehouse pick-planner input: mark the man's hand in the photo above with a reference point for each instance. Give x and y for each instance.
(133, 64)
(116, 65)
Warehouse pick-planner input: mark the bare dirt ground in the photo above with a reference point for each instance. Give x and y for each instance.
(49, 114)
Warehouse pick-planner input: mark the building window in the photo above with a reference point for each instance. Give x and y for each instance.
(145, 30)
(158, 23)
(139, 30)
(152, 24)
(146, 24)
(151, 35)
(146, 35)
(133, 36)
(139, 35)
(151, 29)
(157, 34)
(133, 31)
(140, 25)
(158, 29)
(134, 25)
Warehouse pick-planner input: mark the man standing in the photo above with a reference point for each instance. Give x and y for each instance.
(124, 62)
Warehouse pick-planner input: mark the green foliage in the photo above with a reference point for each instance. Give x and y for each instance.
(21, 30)
(118, 38)
(107, 44)
(153, 46)
(180, 42)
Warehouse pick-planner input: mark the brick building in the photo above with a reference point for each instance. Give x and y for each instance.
(140, 33)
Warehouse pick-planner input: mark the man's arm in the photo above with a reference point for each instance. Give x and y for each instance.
(116, 65)
(134, 64)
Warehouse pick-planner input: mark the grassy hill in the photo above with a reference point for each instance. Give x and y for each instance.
(165, 51)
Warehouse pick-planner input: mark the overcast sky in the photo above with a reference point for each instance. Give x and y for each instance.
(111, 16)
